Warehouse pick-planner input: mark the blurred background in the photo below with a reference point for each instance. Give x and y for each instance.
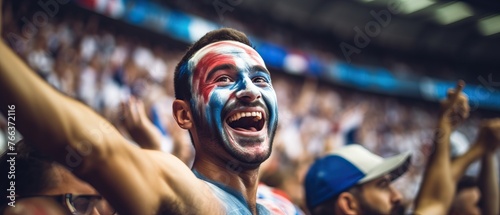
(352, 71)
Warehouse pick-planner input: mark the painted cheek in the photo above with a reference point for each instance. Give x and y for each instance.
(213, 111)
(222, 96)
(207, 91)
(271, 103)
(271, 96)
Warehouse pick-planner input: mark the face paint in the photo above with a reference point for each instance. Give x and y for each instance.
(233, 98)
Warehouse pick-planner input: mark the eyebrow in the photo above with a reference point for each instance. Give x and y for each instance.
(260, 68)
(220, 67)
(256, 68)
(385, 179)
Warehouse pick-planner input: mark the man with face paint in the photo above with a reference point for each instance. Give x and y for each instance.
(232, 105)
(226, 101)
(224, 98)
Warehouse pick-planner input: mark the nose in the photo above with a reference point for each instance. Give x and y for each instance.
(395, 195)
(247, 91)
(94, 212)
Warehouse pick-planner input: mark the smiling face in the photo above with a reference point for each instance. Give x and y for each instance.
(233, 101)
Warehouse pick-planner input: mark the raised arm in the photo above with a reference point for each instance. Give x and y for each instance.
(489, 134)
(438, 187)
(133, 180)
(488, 185)
(460, 164)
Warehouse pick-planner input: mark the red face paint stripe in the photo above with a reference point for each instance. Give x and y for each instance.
(232, 96)
(204, 66)
(206, 93)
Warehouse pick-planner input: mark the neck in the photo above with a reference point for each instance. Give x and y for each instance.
(232, 174)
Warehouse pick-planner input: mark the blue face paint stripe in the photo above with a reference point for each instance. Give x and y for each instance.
(211, 101)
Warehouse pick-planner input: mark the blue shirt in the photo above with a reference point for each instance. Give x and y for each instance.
(232, 200)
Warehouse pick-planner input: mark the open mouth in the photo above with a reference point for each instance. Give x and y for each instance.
(246, 121)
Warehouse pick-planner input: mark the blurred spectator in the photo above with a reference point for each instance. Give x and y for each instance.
(103, 64)
(44, 187)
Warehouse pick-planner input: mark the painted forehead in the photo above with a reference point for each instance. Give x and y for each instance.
(226, 47)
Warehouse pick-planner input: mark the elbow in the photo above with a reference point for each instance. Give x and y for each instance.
(84, 156)
(81, 156)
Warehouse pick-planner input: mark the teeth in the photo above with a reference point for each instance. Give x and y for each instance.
(257, 116)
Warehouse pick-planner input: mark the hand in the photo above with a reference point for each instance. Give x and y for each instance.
(134, 114)
(455, 108)
(489, 134)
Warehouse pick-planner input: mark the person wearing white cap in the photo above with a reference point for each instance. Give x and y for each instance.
(353, 172)
(353, 180)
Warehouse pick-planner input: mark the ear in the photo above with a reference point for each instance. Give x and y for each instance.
(347, 203)
(182, 114)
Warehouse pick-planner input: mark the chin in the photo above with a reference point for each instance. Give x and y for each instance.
(249, 151)
(247, 136)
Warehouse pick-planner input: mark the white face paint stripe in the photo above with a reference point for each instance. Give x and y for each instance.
(226, 46)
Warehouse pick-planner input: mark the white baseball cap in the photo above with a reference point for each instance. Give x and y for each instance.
(344, 168)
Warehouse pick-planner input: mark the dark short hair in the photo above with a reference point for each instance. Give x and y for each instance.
(328, 207)
(325, 208)
(466, 182)
(181, 76)
(33, 172)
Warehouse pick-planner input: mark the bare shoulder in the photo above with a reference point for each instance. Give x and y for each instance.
(149, 182)
(184, 193)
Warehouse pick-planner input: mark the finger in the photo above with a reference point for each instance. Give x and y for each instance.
(457, 91)
(141, 109)
(462, 106)
(132, 104)
(131, 110)
(122, 111)
(450, 93)
(467, 112)
(122, 105)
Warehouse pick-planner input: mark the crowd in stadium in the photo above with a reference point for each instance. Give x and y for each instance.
(104, 66)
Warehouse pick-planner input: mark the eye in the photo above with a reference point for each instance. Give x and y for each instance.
(223, 79)
(259, 80)
(384, 184)
(82, 204)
